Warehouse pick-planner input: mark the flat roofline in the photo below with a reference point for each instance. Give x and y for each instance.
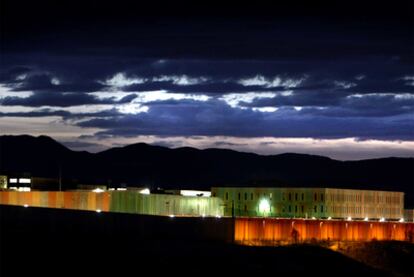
(309, 188)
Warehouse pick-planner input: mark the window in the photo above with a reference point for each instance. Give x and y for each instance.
(227, 196)
(296, 208)
(283, 196)
(303, 196)
(321, 196)
(315, 209)
(245, 196)
(321, 208)
(296, 197)
(251, 196)
(245, 208)
(315, 197)
(290, 196)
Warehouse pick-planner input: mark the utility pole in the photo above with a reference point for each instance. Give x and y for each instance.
(232, 208)
(60, 177)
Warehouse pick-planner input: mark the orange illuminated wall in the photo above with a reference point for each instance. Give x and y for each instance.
(77, 200)
(256, 230)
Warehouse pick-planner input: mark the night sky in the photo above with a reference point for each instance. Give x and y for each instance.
(329, 78)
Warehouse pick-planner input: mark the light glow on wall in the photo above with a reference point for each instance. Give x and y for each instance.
(98, 190)
(264, 207)
(13, 180)
(145, 191)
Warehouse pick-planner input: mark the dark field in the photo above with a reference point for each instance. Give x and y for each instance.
(45, 242)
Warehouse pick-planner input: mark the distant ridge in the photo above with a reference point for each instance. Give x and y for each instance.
(186, 167)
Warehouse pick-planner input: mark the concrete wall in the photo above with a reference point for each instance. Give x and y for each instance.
(117, 201)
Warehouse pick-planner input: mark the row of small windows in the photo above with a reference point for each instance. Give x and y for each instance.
(296, 209)
(302, 209)
(246, 196)
(332, 197)
(302, 196)
(367, 198)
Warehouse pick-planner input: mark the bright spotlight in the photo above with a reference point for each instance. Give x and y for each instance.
(349, 218)
(401, 220)
(382, 219)
(98, 190)
(366, 219)
(172, 216)
(264, 206)
(98, 211)
(329, 218)
(25, 205)
(145, 191)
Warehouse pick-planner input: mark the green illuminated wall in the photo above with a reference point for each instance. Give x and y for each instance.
(311, 202)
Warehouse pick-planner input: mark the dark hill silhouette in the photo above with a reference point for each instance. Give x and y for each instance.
(155, 166)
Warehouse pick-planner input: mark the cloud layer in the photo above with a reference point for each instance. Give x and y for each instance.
(238, 79)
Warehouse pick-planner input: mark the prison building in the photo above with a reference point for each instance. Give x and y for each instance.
(409, 215)
(319, 203)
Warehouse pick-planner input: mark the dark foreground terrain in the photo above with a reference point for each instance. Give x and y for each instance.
(46, 242)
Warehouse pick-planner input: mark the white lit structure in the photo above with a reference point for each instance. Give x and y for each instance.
(199, 193)
(24, 181)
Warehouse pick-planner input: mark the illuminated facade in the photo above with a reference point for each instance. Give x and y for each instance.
(311, 203)
(135, 201)
(3, 182)
(273, 231)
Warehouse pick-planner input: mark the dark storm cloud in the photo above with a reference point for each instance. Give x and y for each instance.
(342, 104)
(57, 99)
(213, 118)
(354, 61)
(66, 115)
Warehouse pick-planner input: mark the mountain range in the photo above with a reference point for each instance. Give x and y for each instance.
(155, 166)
